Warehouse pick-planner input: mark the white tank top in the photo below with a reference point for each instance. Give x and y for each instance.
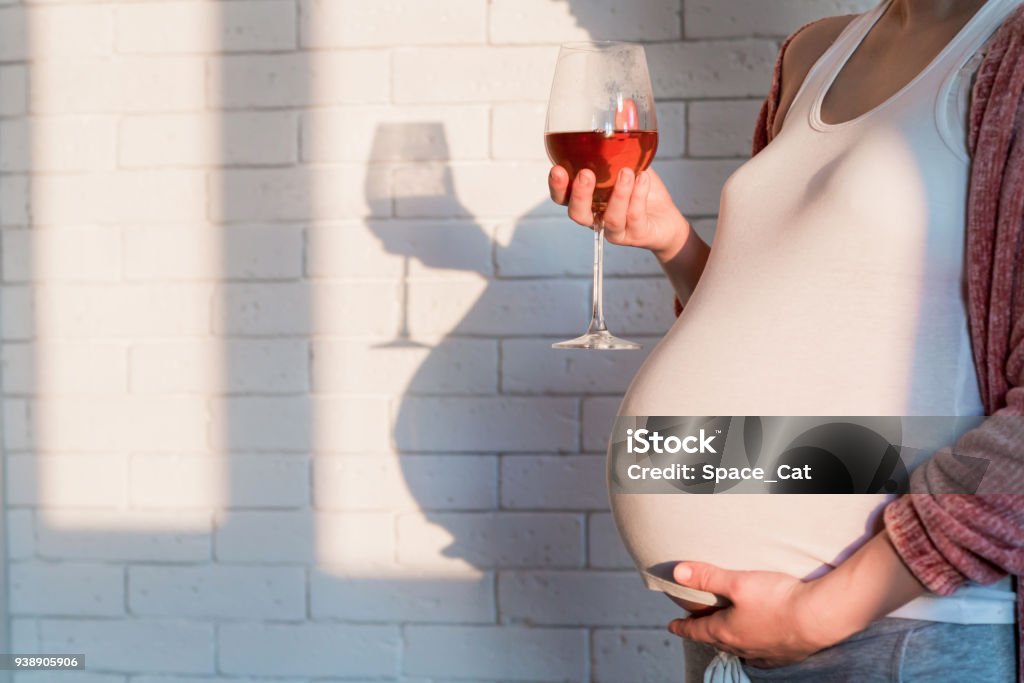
(835, 286)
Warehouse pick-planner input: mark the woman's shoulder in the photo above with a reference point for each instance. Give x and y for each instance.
(800, 51)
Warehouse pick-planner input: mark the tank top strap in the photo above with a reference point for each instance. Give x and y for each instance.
(823, 71)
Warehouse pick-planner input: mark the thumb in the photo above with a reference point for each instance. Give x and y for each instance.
(705, 577)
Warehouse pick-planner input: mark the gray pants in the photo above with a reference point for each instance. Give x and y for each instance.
(894, 651)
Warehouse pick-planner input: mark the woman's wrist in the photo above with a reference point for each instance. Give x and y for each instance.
(673, 246)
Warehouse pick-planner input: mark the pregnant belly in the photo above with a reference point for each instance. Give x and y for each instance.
(802, 535)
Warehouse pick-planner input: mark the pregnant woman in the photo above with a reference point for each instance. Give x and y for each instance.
(868, 261)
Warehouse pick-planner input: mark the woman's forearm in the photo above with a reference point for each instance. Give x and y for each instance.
(683, 261)
(868, 585)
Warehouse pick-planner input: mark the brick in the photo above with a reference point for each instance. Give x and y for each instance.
(230, 138)
(150, 423)
(722, 129)
(298, 194)
(501, 307)
(24, 635)
(123, 310)
(402, 596)
(263, 308)
(21, 534)
(254, 481)
(208, 253)
(587, 598)
(353, 425)
(17, 435)
(453, 366)
(265, 536)
(215, 366)
(598, 417)
(351, 23)
(566, 482)
(652, 656)
(216, 591)
(176, 482)
(411, 482)
(308, 649)
(162, 28)
(531, 366)
(672, 129)
(553, 247)
(725, 18)
(15, 200)
(517, 131)
(486, 424)
(55, 31)
(540, 21)
(122, 84)
(135, 645)
(490, 540)
(639, 305)
(357, 309)
(604, 546)
(385, 248)
(521, 653)
(59, 143)
(474, 190)
(466, 74)
(66, 481)
(17, 316)
(65, 367)
(13, 90)
(260, 424)
(132, 535)
(696, 185)
(119, 197)
(66, 589)
(362, 542)
(299, 80)
(63, 255)
(269, 481)
(387, 133)
(727, 68)
(14, 34)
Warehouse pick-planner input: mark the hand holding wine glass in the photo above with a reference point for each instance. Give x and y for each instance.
(640, 211)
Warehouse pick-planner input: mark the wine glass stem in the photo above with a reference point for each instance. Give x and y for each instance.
(597, 319)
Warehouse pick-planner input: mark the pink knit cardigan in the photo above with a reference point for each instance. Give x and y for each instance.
(947, 539)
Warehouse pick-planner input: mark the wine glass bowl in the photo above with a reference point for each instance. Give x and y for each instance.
(601, 117)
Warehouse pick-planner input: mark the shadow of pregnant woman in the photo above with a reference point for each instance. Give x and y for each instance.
(473, 428)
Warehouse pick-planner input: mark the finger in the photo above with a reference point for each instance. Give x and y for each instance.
(581, 198)
(558, 185)
(693, 629)
(636, 214)
(705, 577)
(618, 204)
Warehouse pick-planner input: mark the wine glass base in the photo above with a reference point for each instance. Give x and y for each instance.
(600, 341)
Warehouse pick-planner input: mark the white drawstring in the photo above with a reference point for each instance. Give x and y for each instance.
(725, 668)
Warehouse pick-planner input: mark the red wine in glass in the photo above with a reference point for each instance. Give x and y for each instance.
(603, 153)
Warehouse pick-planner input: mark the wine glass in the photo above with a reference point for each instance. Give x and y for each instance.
(601, 117)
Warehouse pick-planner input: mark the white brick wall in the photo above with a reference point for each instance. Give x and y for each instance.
(278, 280)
